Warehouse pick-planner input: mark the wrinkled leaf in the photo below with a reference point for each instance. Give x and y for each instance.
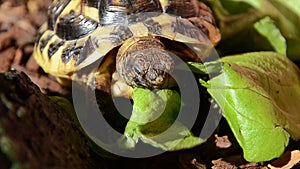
(259, 95)
(153, 120)
(205, 68)
(267, 29)
(236, 19)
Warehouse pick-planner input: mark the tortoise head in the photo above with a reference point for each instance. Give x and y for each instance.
(145, 62)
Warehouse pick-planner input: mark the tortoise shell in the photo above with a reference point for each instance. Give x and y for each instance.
(80, 32)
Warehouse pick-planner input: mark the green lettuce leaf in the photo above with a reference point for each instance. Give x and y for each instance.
(268, 29)
(236, 19)
(153, 121)
(259, 95)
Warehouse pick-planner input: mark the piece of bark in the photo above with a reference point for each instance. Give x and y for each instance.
(189, 161)
(18, 57)
(6, 59)
(6, 39)
(287, 160)
(46, 84)
(222, 141)
(32, 65)
(42, 134)
(221, 164)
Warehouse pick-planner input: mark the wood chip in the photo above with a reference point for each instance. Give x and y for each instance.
(188, 161)
(6, 40)
(42, 81)
(24, 33)
(32, 65)
(286, 161)
(221, 164)
(10, 14)
(222, 142)
(6, 59)
(18, 57)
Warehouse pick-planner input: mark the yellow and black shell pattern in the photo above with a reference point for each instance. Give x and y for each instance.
(80, 32)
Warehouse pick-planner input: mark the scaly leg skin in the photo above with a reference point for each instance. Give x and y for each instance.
(107, 80)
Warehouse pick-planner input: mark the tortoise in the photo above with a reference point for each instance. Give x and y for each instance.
(123, 43)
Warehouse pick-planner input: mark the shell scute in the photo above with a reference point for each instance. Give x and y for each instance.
(74, 26)
(54, 11)
(69, 51)
(119, 34)
(153, 26)
(80, 32)
(87, 49)
(44, 41)
(53, 47)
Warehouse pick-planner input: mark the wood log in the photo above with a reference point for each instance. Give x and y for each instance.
(38, 132)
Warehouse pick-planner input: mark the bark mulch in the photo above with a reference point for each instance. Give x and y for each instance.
(35, 132)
